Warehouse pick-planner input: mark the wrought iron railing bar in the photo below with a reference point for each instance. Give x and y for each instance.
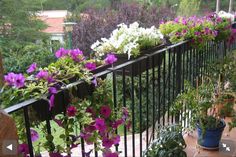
(124, 104)
(28, 131)
(147, 101)
(140, 109)
(133, 114)
(153, 96)
(114, 82)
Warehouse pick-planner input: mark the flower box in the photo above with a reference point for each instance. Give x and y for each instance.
(122, 58)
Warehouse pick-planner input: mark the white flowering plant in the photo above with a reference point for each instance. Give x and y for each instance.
(128, 40)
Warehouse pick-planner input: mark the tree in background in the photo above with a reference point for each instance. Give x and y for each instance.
(189, 7)
(19, 27)
(99, 23)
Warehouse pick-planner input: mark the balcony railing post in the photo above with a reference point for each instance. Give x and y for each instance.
(178, 73)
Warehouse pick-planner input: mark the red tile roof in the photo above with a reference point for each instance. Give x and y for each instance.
(55, 24)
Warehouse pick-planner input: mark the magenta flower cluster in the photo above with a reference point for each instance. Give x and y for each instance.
(75, 54)
(105, 125)
(15, 80)
(110, 58)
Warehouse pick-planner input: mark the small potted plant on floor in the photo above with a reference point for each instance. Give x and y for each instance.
(199, 106)
(169, 143)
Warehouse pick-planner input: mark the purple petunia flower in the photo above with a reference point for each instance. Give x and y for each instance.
(197, 33)
(116, 140)
(51, 102)
(32, 68)
(90, 66)
(107, 143)
(52, 90)
(100, 124)
(117, 123)
(59, 122)
(16, 80)
(61, 52)
(87, 137)
(184, 31)
(34, 135)
(19, 80)
(10, 78)
(77, 55)
(50, 79)
(23, 148)
(71, 111)
(90, 128)
(94, 81)
(105, 111)
(110, 59)
(42, 74)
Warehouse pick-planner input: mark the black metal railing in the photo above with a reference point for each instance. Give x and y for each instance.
(147, 86)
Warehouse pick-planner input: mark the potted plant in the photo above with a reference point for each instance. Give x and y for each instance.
(199, 106)
(169, 143)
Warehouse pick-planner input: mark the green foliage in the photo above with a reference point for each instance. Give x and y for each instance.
(196, 102)
(18, 18)
(170, 143)
(189, 7)
(78, 6)
(171, 30)
(19, 61)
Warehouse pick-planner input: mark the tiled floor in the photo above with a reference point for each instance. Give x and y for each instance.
(227, 146)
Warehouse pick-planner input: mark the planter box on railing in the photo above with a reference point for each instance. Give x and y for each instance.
(139, 66)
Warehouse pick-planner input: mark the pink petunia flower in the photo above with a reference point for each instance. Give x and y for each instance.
(51, 102)
(90, 66)
(19, 81)
(52, 90)
(61, 52)
(34, 135)
(90, 128)
(87, 137)
(23, 148)
(42, 74)
(107, 143)
(32, 68)
(77, 55)
(117, 123)
(110, 59)
(71, 111)
(10, 78)
(100, 124)
(116, 140)
(105, 111)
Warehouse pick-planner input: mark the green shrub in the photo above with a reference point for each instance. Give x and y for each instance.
(20, 59)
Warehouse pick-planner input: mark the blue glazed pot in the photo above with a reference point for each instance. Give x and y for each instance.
(212, 137)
